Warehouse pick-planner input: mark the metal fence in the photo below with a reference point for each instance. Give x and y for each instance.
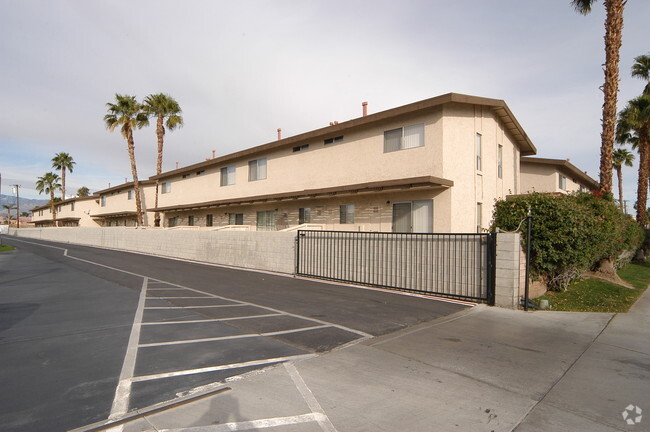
(453, 265)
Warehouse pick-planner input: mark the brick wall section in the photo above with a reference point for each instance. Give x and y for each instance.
(508, 272)
(271, 251)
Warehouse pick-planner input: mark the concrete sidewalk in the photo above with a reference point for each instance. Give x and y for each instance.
(482, 369)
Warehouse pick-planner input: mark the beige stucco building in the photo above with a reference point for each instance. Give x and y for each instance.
(72, 212)
(116, 205)
(553, 176)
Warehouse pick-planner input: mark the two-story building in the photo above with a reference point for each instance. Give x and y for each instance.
(432, 166)
(553, 176)
(73, 212)
(116, 205)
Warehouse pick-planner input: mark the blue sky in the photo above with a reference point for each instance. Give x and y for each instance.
(240, 70)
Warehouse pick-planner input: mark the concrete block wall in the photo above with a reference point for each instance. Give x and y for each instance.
(259, 250)
(508, 270)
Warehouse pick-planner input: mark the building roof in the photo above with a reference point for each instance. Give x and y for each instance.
(566, 167)
(378, 186)
(66, 201)
(499, 106)
(113, 215)
(123, 186)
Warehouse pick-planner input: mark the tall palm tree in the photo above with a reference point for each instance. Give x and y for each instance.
(634, 127)
(48, 184)
(162, 107)
(613, 40)
(641, 69)
(9, 208)
(621, 157)
(126, 112)
(83, 191)
(62, 162)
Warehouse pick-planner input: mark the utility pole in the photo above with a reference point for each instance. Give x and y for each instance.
(16, 187)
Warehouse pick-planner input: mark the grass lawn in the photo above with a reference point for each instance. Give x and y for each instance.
(5, 248)
(595, 295)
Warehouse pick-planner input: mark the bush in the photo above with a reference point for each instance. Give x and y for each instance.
(570, 233)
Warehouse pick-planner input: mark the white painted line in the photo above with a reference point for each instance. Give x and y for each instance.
(252, 424)
(195, 307)
(171, 298)
(213, 319)
(242, 336)
(221, 367)
(123, 391)
(324, 422)
(165, 289)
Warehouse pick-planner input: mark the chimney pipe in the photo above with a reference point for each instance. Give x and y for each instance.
(365, 108)
(176, 165)
(213, 153)
(279, 134)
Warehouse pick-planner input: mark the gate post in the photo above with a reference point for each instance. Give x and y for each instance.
(506, 284)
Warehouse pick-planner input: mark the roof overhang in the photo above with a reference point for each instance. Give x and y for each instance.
(424, 182)
(564, 166)
(114, 215)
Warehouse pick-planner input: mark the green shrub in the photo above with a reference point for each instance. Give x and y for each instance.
(570, 233)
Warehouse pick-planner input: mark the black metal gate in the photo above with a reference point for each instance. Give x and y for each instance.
(453, 265)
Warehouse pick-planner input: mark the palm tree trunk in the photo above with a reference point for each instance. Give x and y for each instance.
(619, 176)
(160, 131)
(613, 40)
(54, 222)
(62, 183)
(134, 172)
(642, 186)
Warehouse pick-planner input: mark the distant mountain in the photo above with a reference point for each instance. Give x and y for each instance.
(26, 204)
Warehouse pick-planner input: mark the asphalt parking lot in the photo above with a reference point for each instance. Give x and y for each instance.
(88, 333)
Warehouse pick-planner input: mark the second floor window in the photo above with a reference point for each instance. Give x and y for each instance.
(129, 195)
(103, 201)
(228, 175)
(165, 187)
(257, 169)
(404, 138)
(72, 206)
(562, 182)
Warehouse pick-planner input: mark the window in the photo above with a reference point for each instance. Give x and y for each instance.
(479, 217)
(235, 218)
(334, 140)
(301, 148)
(257, 169)
(103, 201)
(500, 161)
(228, 176)
(347, 214)
(562, 182)
(190, 220)
(172, 221)
(304, 216)
(72, 206)
(165, 187)
(266, 220)
(478, 152)
(129, 194)
(413, 216)
(40, 212)
(200, 172)
(404, 138)
(186, 176)
(208, 220)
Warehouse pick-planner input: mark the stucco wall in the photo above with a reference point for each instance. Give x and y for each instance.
(270, 251)
(545, 178)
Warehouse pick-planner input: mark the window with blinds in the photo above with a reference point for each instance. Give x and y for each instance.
(404, 138)
(228, 176)
(347, 214)
(266, 220)
(257, 169)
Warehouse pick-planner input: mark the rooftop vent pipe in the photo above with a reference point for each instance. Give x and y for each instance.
(279, 134)
(365, 108)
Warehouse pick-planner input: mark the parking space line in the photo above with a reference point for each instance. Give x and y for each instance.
(195, 307)
(324, 422)
(212, 319)
(222, 367)
(242, 336)
(252, 424)
(171, 298)
(123, 391)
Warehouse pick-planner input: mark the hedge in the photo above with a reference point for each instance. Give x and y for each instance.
(570, 233)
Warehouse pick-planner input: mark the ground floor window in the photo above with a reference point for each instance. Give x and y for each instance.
(190, 220)
(266, 220)
(413, 216)
(172, 221)
(208, 220)
(304, 216)
(346, 214)
(236, 218)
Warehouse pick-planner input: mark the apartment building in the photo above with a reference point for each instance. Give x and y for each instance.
(116, 205)
(71, 212)
(432, 166)
(553, 176)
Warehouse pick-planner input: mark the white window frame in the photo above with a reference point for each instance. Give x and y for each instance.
(500, 161)
(130, 194)
(562, 181)
(479, 217)
(102, 201)
(479, 151)
(346, 214)
(404, 133)
(228, 175)
(165, 187)
(258, 169)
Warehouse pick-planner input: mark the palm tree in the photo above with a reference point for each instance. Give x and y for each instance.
(634, 127)
(9, 208)
(641, 69)
(83, 191)
(162, 107)
(48, 184)
(619, 158)
(613, 40)
(126, 112)
(62, 162)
